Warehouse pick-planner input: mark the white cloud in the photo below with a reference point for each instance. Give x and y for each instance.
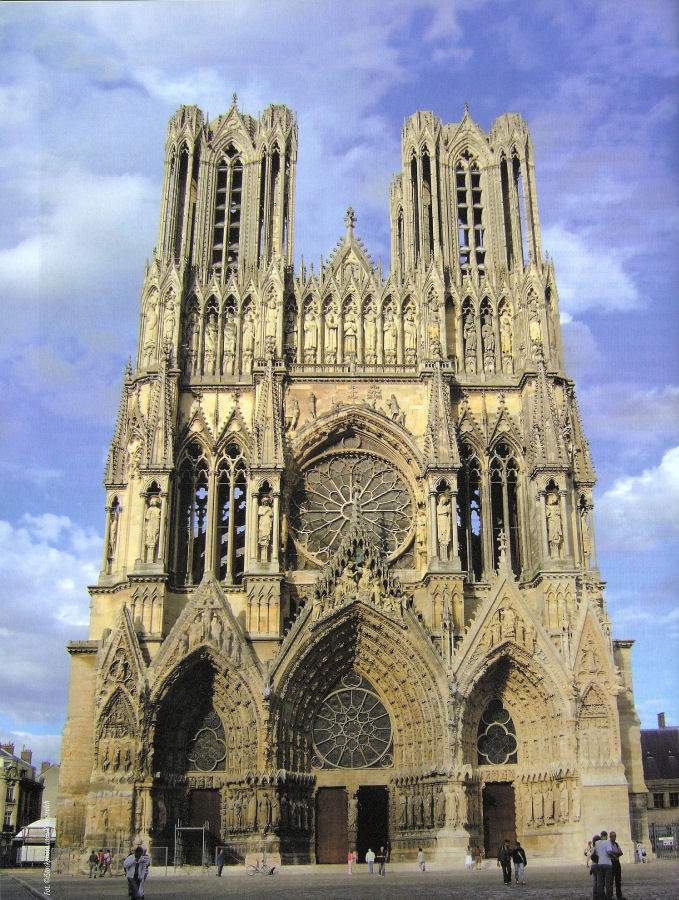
(46, 563)
(589, 277)
(640, 511)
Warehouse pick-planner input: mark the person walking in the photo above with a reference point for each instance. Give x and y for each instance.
(106, 863)
(588, 853)
(381, 862)
(94, 863)
(641, 851)
(350, 862)
(370, 860)
(420, 859)
(594, 861)
(520, 863)
(468, 859)
(504, 859)
(221, 859)
(603, 868)
(136, 867)
(478, 856)
(617, 868)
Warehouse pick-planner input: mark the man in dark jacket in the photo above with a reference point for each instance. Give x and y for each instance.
(617, 869)
(520, 863)
(504, 859)
(221, 858)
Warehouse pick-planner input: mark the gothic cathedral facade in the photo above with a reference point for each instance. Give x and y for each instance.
(349, 591)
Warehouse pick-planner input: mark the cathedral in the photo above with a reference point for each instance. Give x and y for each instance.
(349, 590)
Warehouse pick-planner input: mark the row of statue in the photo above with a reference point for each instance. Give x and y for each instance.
(226, 342)
(117, 760)
(209, 626)
(549, 803)
(263, 811)
(428, 807)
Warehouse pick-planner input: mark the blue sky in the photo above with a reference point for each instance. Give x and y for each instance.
(85, 94)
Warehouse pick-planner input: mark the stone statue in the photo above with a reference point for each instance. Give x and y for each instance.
(310, 334)
(152, 529)
(251, 822)
(331, 327)
(151, 332)
(402, 810)
(264, 528)
(291, 414)
(488, 343)
(229, 339)
(505, 332)
(433, 329)
(350, 334)
(275, 811)
(312, 406)
(370, 335)
(563, 802)
(271, 319)
(210, 348)
(395, 412)
(410, 335)
(554, 524)
(248, 349)
(440, 808)
(216, 629)
(352, 821)
(469, 336)
(291, 333)
(534, 329)
(444, 525)
(422, 533)
(169, 321)
(196, 631)
(389, 330)
(113, 533)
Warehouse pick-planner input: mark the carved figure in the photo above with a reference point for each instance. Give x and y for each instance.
(229, 341)
(113, 533)
(554, 524)
(422, 533)
(264, 528)
(402, 810)
(310, 334)
(389, 330)
(331, 327)
(169, 321)
(291, 414)
(370, 335)
(410, 335)
(506, 338)
(248, 340)
(395, 412)
(151, 332)
(469, 337)
(210, 347)
(534, 329)
(152, 529)
(291, 333)
(444, 525)
(312, 406)
(350, 334)
(488, 342)
(196, 631)
(440, 808)
(271, 320)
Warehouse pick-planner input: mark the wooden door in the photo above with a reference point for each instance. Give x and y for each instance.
(332, 842)
(499, 816)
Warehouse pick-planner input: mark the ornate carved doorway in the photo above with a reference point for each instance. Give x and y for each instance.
(331, 825)
(373, 819)
(499, 816)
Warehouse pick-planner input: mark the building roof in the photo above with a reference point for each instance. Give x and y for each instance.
(660, 753)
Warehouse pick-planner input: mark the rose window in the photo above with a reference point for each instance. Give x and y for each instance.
(352, 729)
(208, 748)
(496, 742)
(340, 489)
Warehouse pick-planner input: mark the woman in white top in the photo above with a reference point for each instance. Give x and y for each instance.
(468, 859)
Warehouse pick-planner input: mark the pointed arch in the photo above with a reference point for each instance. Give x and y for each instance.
(504, 473)
(470, 512)
(191, 513)
(227, 209)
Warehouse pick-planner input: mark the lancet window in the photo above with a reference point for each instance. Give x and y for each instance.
(469, 213)
(227, 211)
(269, 202)
(416, 205)
(470, 522)
(504, 498)
(231, 513)
(427, 208)
(180, 203)
(192, 515)
(399, 240)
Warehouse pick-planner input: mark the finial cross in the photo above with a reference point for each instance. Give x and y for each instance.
(350, 218)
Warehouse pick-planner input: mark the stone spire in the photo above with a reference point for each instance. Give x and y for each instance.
(267, 424)
(440, 442)
(547, 444)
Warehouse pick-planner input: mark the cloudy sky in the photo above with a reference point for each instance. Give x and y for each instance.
(85, 94)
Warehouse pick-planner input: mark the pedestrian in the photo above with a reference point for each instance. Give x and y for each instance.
(381, 862)
(478, 856)
(94, 863)
(603, 874)
(420, 860)
(387, 852)
(520, 863)
(370, 860)
(588, 853)
(221, 857)
(594, 859)
(468, 859)
(617, 868)
(136, 867)
(350, 862)
(106, 864)
(641, 850)
(504, 859)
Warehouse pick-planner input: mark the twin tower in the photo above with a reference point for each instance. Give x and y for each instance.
(349, 591)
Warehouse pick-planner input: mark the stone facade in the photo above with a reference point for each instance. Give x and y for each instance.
(349, 526)
(20, 794)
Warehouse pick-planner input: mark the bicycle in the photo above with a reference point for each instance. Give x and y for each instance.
(260, 868)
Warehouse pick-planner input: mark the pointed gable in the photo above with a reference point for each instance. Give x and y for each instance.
(440, 441)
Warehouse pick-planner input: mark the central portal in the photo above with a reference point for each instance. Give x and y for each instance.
(373, 820)
(331, 825)
(499, 816)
